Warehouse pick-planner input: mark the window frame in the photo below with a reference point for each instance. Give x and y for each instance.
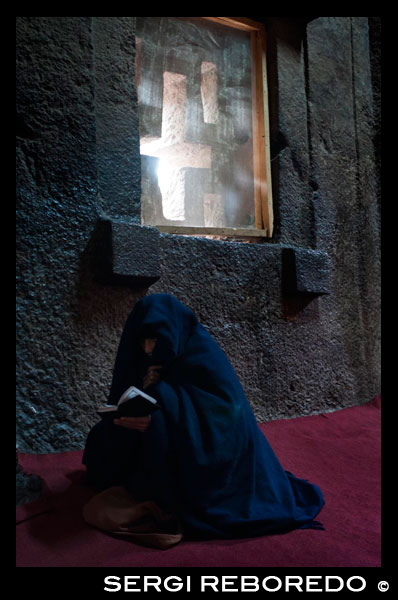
(263, 203)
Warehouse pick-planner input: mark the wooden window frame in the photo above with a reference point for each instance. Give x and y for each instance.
(264, 217)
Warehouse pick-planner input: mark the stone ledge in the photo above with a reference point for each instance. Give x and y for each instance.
(305, 272)
(125, 253)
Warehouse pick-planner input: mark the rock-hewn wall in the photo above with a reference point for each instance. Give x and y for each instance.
(78, 159)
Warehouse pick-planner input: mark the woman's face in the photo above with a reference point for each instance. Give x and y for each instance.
(148, 345)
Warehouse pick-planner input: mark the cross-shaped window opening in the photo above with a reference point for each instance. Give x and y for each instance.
(202, 93)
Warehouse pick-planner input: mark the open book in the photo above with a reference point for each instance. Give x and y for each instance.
(133, 403)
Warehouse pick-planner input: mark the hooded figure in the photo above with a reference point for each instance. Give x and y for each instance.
(203, 456)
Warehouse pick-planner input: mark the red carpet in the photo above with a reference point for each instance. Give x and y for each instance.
(339, 451)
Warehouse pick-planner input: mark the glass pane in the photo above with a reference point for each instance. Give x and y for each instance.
(194, 86)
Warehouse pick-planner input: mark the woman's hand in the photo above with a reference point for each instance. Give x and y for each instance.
(138, 423)
(151, 376)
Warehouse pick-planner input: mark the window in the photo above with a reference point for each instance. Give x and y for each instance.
(204, 141)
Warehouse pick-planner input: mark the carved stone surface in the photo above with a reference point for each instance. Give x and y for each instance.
(78, 161)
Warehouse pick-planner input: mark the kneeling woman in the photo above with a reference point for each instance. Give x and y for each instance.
(202, 457)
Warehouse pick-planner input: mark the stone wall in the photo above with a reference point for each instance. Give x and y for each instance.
(84, 260)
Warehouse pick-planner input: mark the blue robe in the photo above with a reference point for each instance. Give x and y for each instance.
(203, 457)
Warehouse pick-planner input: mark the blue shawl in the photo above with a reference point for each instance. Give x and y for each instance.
(203, 457)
